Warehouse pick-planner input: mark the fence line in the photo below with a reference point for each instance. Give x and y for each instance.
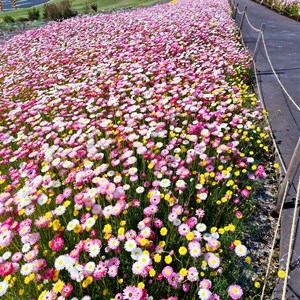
(260, 97)
(260, 39)
(251, 26)
(286, 188)
(285, 185)
(260, 31)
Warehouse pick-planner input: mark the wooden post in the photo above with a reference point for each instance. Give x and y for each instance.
(262, 27)
(15, 4)
(231, 5)
(243, 18)
(290, 174)
(291, 242)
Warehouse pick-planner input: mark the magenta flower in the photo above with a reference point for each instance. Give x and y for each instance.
(57, 243)
(67, 290)
(186, 287)
(245, 193)
(6, 268)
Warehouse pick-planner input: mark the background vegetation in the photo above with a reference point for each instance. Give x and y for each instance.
(86, 6)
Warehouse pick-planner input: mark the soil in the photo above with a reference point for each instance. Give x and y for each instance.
(262, 239)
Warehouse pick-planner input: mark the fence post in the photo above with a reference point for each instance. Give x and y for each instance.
(232, 5)
(262, 27)
(290, 174)
(291, 242)
(235, 10)
(242, 19)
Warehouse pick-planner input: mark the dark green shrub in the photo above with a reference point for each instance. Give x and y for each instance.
(33, 14)
(94, 7)
(56, 12)
(22, 19)
(66, 9)
(51, 12)
(8, 19)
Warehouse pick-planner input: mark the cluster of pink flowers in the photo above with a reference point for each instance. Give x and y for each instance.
(129, 145)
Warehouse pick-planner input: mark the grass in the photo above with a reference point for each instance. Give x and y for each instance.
(79, 6)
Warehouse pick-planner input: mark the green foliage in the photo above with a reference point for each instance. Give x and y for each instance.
(33, 14)
(94, 7)
(8, 19)
(80, 6)
(60, 11)
(90, 5)
(51, 11)
(22, 19)
(66, 9)
(292, 10)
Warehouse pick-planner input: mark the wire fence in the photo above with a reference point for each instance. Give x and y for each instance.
(291, 171)
(260, 40)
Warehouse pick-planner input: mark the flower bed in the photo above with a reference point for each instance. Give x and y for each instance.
(288, 7)
(130, 149)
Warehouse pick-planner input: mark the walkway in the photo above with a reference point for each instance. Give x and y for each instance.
(282, 36)
(7, 5)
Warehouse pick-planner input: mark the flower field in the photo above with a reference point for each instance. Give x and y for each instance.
(130, 149)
